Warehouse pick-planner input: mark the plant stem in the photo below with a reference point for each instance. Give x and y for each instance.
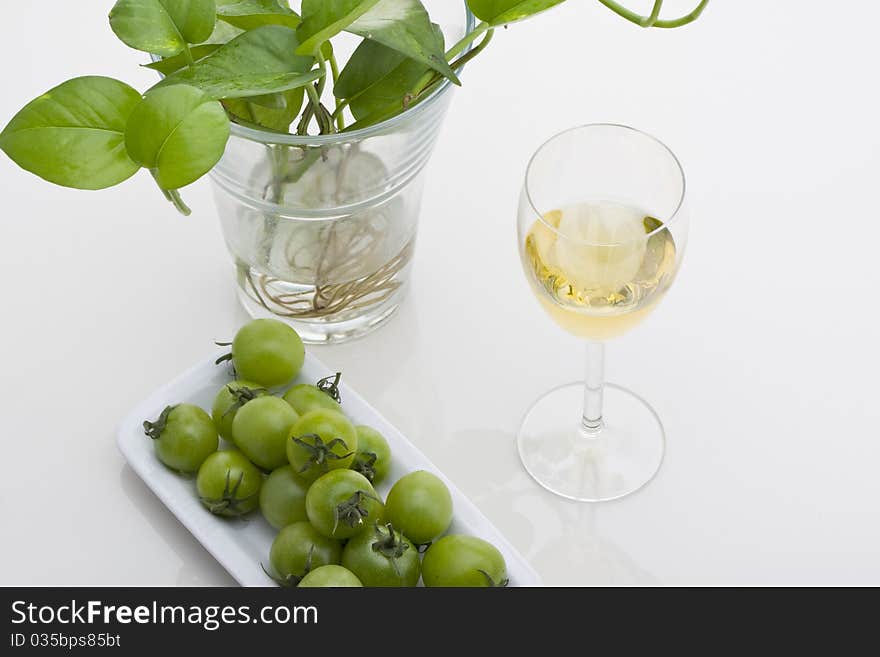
(470, 54)
(278, 157)
(337, 116)
(655, 14)
(431, 77)
(334, 68)
(303, 126)
(296, 171)
(314, 101)
(172, 195)
(645, 21)
(340, 108)
(466, 40)
(325, 121)
(188, 54)
(322, 116)
(620, 10)
(323, 81)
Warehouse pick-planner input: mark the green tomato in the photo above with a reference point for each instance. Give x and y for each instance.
(283, 498)
(373, 458)
(342, 504)
(260, 430)
(229, 484)
(420, 506)
(304, 397)
(331, 576)
(463, 561)
(321, 441)
(382, 557)
(184, 436)
(297, 550)
(268, 352)
(229, 399)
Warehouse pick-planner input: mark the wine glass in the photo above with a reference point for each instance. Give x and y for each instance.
(602, 232)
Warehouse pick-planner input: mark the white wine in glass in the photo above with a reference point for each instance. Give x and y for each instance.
(602, 232)
(591, 289)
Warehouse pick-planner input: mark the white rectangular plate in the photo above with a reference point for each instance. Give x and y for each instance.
(241, 546)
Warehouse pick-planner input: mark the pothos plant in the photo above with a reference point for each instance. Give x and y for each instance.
(257, 63)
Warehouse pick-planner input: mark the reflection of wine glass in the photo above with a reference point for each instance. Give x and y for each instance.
(602, 231)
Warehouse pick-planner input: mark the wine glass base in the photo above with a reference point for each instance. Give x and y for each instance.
(566, 459)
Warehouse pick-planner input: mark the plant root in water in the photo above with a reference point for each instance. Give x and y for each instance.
(326, 300)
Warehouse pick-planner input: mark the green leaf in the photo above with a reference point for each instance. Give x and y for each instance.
(381, 115)
(179, 133)
(405, 26)
(243, 85)
(73, 135)
(369, 63)
(250, 14)
(163, 27)
(169, 65)
(324, 19)
(248, 85)
(377, 81)
(278, 118)
(502, 12)
(271, 101)
(258, 62)
(390, 92)
(194, 18)
(223, 33)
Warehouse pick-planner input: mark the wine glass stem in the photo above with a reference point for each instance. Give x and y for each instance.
(594, 385)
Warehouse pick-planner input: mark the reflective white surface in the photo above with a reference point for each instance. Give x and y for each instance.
(762, 361)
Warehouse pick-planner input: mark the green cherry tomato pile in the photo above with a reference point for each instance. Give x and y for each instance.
(312, 472)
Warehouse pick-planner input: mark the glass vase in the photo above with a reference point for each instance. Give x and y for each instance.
(322, 229)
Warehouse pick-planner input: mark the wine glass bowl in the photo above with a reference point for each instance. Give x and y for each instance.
(602, 231)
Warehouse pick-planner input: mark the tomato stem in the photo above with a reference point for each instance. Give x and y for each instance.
(155, 429)
(330, 386)
(492, 583)
(229, 500)
(365, 463)
(292, 580)
(352, 511)
(391, 545)
(319, 451)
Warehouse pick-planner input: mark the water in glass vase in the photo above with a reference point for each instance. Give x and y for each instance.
(599, 267)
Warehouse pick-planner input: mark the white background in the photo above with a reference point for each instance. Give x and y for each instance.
(762, 361)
